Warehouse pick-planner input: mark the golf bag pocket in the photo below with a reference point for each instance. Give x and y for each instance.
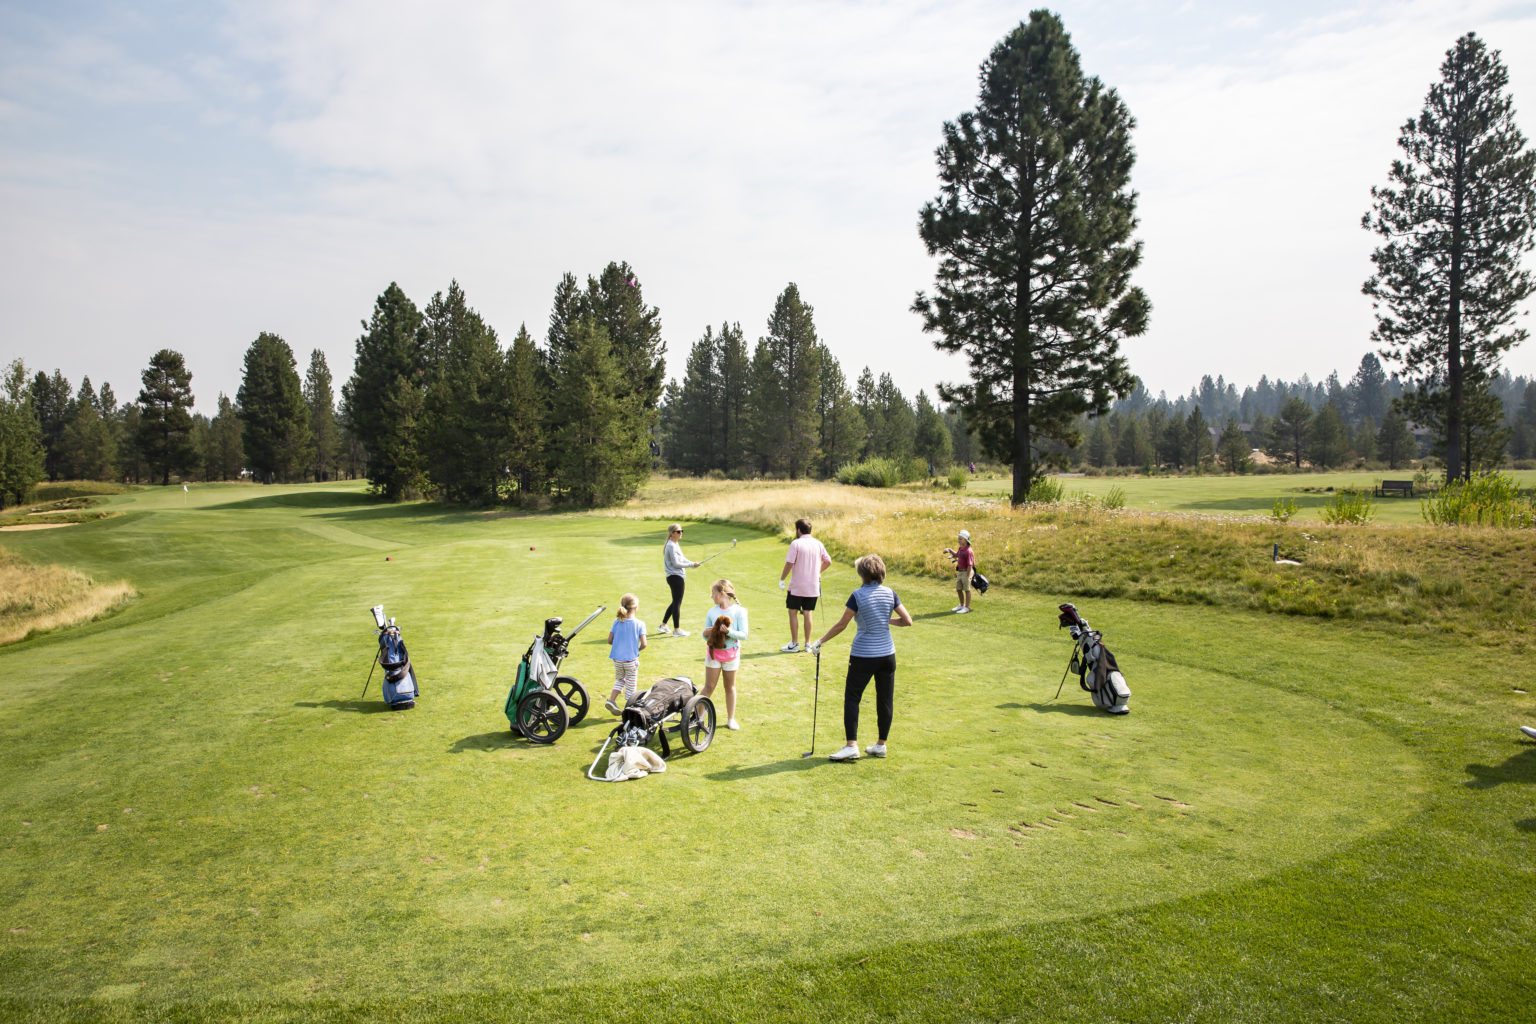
(1109, 688)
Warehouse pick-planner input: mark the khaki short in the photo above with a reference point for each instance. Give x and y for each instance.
(963, 579)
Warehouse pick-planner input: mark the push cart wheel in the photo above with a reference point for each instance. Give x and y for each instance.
(698, 727)
(542, 717)
(575, 696)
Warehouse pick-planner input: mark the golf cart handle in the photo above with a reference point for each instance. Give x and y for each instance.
(572, 634)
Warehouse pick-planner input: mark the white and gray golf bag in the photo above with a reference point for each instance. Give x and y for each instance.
(1097, 671)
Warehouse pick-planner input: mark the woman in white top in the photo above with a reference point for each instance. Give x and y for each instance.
(677, 575)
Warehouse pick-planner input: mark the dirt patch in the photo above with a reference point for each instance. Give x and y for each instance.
(36, 526)
(962, 833)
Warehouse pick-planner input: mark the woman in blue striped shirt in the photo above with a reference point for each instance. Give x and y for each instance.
(872, 656)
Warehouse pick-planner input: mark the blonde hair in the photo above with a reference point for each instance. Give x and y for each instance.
(627, 605)
(722, 587)
(871, 568)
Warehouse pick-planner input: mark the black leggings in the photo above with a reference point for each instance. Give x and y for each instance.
(674, 609)
(860, 671)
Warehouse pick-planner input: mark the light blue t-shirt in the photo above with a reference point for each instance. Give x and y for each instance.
(872, 605)
(626, 639)
(738, 631)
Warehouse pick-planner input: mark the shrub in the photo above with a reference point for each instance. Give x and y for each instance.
(1349, 505)
(1114, 497)
(957, 478)
(1284, 509)
(1488, 499)
(1044, 489)
(878, 472)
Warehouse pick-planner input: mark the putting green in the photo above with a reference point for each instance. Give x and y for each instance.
(201, 806)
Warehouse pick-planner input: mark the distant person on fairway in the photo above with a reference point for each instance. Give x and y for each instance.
(965, 566)
(677, 575)
(872, 656)
(725, 627)
(627, 640)
(803, 566)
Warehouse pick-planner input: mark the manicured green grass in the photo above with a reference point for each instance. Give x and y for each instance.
(203, 820)
(1244, 495)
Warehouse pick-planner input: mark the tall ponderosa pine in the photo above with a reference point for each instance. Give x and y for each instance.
(698, 444)
(1395, 444)
(90, 445)
(383, 398)
(1033, 226)
(1232, 448)
(52, 405)
(930, 440)
(842, 428)
(786, 388)
(1456, 218)
(1327, 438)
(464, 436)
(325, 436)
(226, 444)
(273, 412)
(165, 415)
(524, 400)
(21, 438)
(598, 458)
(1291, 430)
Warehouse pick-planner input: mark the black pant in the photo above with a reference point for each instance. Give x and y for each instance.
(860, 671)
(674, 609)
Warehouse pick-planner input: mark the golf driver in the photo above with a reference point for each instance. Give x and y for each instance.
(815, 704)
(722, 551)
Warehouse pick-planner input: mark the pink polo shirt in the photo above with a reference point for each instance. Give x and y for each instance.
(807, 557)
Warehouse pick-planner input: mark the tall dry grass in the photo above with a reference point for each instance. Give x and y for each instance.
(1471, 580)
(37, 598)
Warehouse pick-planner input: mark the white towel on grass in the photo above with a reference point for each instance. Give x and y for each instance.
(633, 763)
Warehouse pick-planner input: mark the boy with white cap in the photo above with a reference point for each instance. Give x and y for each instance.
(965, 565)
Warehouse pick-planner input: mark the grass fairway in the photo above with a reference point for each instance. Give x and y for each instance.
(1247, 495)
(1299, 820)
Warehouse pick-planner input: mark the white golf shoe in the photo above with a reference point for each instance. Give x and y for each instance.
(848, 753)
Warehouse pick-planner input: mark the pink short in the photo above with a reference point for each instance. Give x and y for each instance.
(729, 659)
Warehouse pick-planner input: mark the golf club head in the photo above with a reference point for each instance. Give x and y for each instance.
(378, 615)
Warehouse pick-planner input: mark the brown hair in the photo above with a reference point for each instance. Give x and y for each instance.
(802, 526)
(723, 587)
(871, 569)
(627, 605)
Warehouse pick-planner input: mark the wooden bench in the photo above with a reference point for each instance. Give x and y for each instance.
(1390, 487)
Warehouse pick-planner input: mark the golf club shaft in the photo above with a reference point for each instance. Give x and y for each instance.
(370, 676)
(717, 554)
(815, 705)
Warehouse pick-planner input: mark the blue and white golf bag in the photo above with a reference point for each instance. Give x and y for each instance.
(399, 684)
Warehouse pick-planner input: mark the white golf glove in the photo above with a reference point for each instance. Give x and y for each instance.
(781, 584)
(814, 647)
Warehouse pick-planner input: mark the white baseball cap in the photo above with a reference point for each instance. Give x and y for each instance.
(965, 534)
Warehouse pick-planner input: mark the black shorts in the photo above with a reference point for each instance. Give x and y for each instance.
(800, 604)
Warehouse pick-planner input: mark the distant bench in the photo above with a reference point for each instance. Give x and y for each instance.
(1390, 487)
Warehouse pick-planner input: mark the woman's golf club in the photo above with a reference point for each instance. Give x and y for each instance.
(815, 703)
(722, 551)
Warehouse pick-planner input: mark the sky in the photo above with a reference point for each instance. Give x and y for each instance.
(189, 175)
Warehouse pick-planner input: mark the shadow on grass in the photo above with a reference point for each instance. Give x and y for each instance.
(1527, 825)
(298, 499)
(501, 739)
(934, 615)
(1519, 767)
(1057, 709)
(738, 773)
(362, 707)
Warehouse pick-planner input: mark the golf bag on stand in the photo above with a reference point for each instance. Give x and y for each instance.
(399, 685)
(1095, 666)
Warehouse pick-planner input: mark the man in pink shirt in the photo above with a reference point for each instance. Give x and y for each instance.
(803, 567)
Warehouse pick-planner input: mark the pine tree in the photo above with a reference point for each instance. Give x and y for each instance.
(226, 445)
(273, 414)
(868, 404)
(1101, 444)
(599, 459)
(700, 413)
(1327, 438)
(786, 388)
(89, 449)
(898, 423)
(165, 417)
(1291, 430)
(52, 405)
(1458, 215)
(21, 438)
(383, 399)
(1368, 390)
(525, 403)
(1522, 442)
(931, 441)
(1394, 442)
(1033, 227)
(1197, 433)
(1363, 440)
(464, 431)
(1232, 448)
(325, 436)
(842, 428)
